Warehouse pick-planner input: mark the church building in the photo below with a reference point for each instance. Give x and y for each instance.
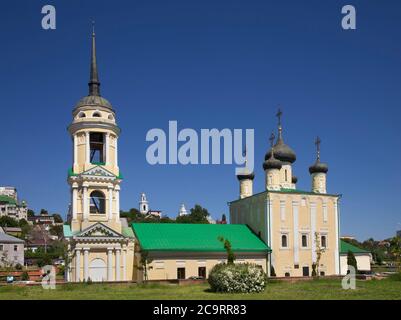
(299, 226)
(100, 243)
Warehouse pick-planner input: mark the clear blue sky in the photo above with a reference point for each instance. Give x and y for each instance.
(206, 64)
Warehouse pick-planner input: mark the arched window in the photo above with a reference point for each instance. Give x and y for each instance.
(284, 241)
(286, 175)
(96, 114)
(304, 241)
(81, 115)
(323, 241)
(110, 117)
(97, 150)
(97, 202)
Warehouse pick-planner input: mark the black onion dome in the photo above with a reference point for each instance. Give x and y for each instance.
(282, 152)
(319, 167)
(246, 176)
(272, 163)
(294, 179)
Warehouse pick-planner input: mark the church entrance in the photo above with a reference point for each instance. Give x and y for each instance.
(98, 270)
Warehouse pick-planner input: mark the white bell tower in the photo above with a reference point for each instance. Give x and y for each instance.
(143, 204)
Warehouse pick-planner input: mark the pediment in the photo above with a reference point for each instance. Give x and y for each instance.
(99, 230)
(98, 171)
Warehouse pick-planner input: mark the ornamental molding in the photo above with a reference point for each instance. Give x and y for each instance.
(98, 232)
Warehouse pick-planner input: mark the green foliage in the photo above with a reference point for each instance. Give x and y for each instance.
(56, 231)
(6, 221)
(18, 267)
(395, 250)
(227, 247)
(25, 276)
(314, 273)
(351, 260)
(31, 213)
(396, 276)
(144, 264)
(272, 271)
(237, 278)
(44, 212)
(198, 215)
(57, 218)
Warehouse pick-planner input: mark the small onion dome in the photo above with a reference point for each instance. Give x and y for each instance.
(282, 152)
(93, 101)
(319, 167)
(272, 163)
(246, 176)
(294, 179)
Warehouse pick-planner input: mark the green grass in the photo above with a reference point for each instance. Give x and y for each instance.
(327, 289)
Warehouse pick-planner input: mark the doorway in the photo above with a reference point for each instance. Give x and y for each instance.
(305, 271)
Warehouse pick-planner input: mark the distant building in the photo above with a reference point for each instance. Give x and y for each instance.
(347, 238)
(399, 233)
(43, 218)
(13, 231)
(363, 257)
(183, 211)
(10, 206)
(144, 207)
(11, 249)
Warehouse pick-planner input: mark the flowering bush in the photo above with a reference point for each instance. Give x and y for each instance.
(239, 278)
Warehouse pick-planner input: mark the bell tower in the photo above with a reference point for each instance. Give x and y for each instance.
(95, 177)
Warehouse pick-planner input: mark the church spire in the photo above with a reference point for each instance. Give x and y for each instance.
(94, 83)
(280, 128)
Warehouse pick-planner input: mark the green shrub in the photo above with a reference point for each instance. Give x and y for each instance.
(396, 276)
(314, 273)
(25, 276)
(237, 278)
(18, 266)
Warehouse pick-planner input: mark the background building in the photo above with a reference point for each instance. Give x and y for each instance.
(11, 250)
(10, 206)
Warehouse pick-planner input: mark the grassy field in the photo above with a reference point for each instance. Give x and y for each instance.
(309, 290)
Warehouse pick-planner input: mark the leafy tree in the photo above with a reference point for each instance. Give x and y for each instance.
(6, 221)
(57, 218)
(395, 250)
(228, 248)
(351, 260)
(43, 212)
(144, 264)
(56, 231)
(31, 213)
(198, 215)
(319, 252)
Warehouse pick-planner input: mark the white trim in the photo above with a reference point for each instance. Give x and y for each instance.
(336, 250)
(118, 265)
(110, 211)
(313, 229)
(109, 264)
(78, 264)
(86, 264)
(75, 150)
(87, 148)
(74, 202)
(85, 203)
(107, 148)
(296, 231)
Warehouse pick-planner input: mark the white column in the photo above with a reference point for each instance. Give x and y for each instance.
(118, 265)
(77, 264)
(87, 148)
(109, 264)
(115, 152)
(107, 148)
(75, 151)
(74, 201)
(337, 226)
(85, 203)
(110, 213)
(124, 264)
(117, 195)
(296, 231)
(313, 229)
(86, 264)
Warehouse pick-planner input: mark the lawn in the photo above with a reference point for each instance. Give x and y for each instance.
(310, 290)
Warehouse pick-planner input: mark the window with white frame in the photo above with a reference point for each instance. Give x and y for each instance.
(323, 241)
(304, 240)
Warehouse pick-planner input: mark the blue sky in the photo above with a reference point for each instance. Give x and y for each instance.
(209, 64)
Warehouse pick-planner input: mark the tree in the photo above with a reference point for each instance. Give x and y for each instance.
(56, 231)
(57, 218)
(144, 264)
(395, 250)
(351, 260)
(198, 215)
(228, 248)
(43, 212)
(6, 221)
(319, 252)
(31, 213)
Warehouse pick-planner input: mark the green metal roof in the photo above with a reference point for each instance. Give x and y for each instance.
(345, 247)
(127, 232)
(67, 231)
(7, 199)
(196, 237)
(285, 190)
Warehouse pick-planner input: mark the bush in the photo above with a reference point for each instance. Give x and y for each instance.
(396, 276)
(237, 278)
(18, 266)
(25, 276)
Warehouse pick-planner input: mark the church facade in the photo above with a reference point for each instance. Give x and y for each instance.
(300, 227)
(100, 243)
